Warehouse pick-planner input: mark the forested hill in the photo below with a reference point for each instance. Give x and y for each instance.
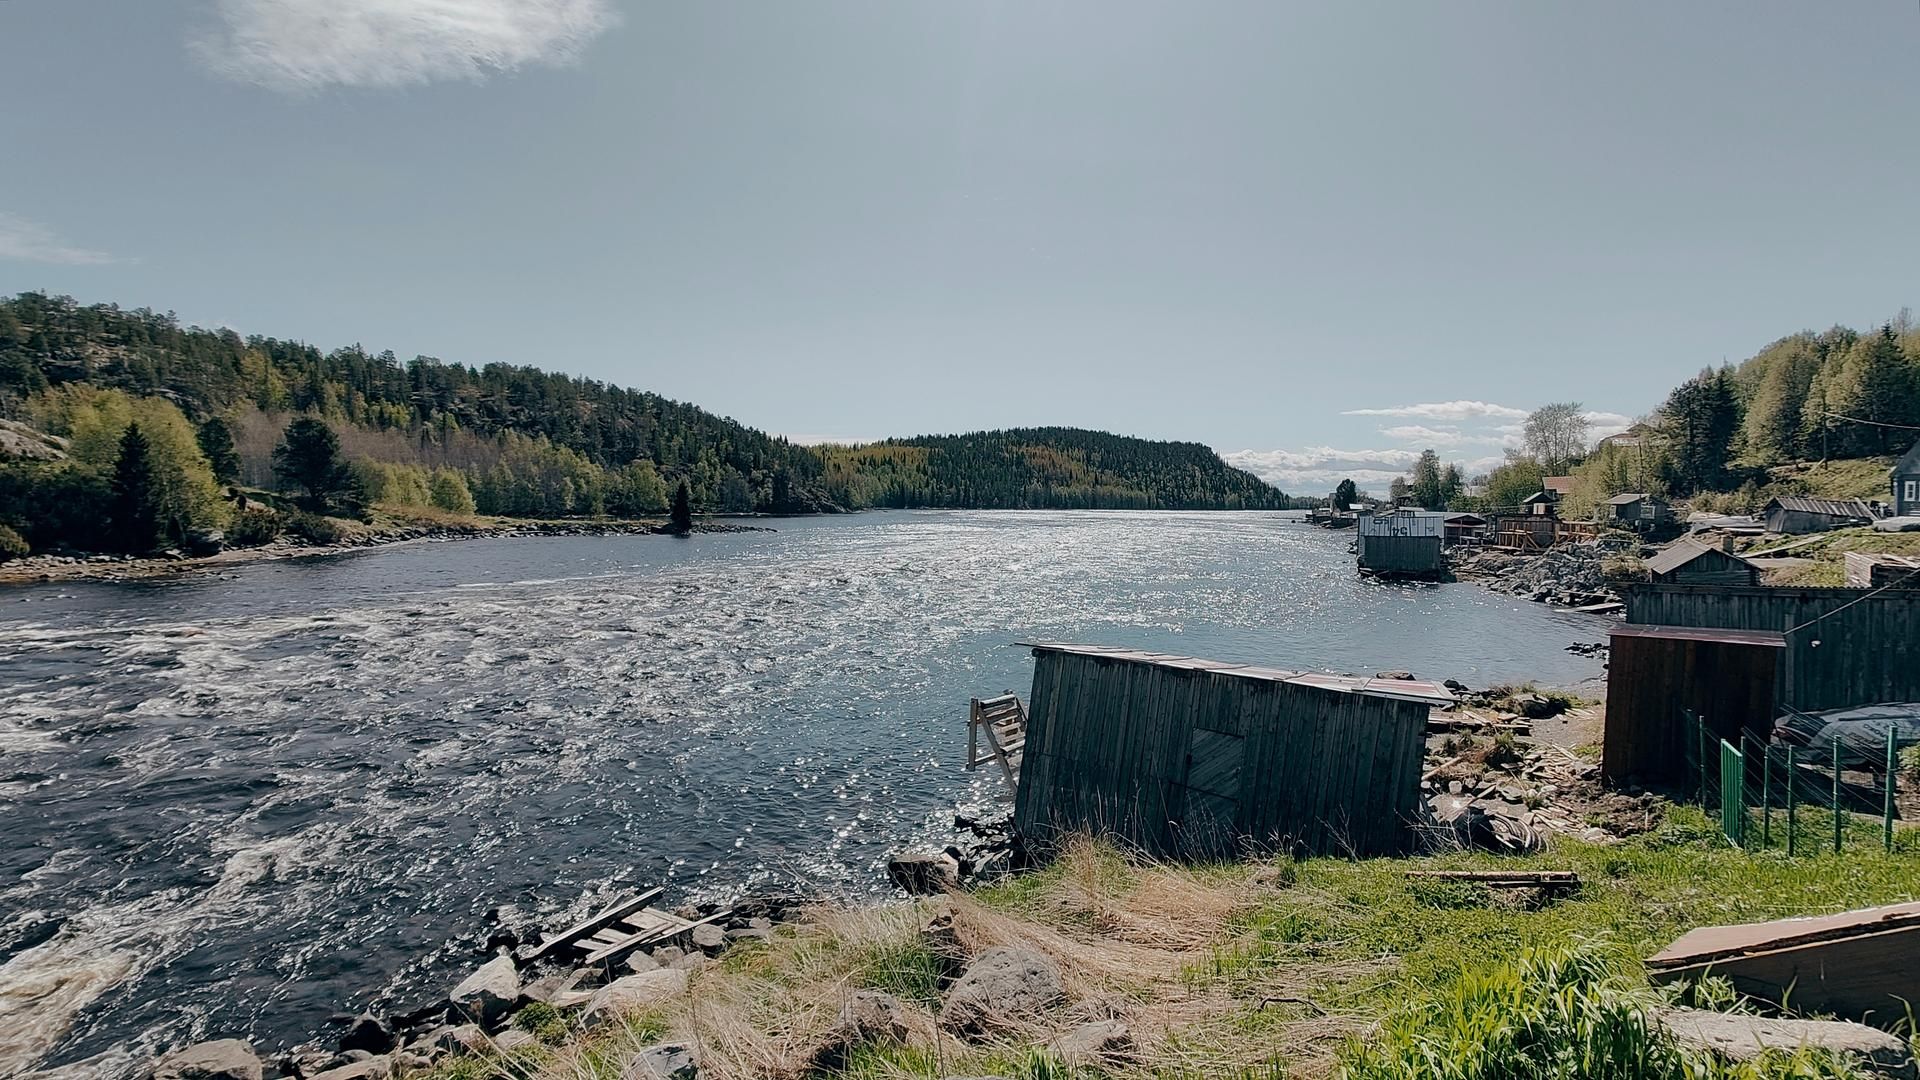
(1032, 468)
(421, 403)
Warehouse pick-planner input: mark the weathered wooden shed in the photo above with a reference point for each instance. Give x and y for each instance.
(1906, 483)
(1796, 515)
(1404, 543)
(1178, 756)
(1867, 571)
(1654, 673)
(1639, 510)
(1464, 528)
(1687, 562)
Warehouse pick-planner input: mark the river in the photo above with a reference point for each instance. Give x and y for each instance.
(231, 805)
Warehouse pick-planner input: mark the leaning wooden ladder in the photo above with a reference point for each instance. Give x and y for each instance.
(611, 935)
(1002, 723)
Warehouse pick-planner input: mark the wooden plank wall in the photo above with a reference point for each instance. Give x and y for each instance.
(1650, 681)
(1865, 650)
(1184, 760)
(1401, 554)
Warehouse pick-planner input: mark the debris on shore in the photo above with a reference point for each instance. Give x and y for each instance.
(1569, 575)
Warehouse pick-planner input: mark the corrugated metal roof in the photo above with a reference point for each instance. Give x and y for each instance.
(1625, 497)
(1844, 508)
(1770, 638)
(1682, 553)
(1398, 689)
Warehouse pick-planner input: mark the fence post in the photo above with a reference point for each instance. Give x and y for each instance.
(1792, 803)
(1838, 821)
(1766, 796)
(1706, 806)
(1886, 825)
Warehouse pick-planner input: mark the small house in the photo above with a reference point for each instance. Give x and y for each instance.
(1689, 562)
(1797, 515)
(1906, 484)
(1639, 510)
(1462, 528)
(1540, 504)
(1404, 543)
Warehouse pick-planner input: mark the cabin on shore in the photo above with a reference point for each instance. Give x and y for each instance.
(1198, 758)
(1639, 511)
(1798, 515)
(1403, 544)
(1540, 504)
(1464, 528)
(1689, 562)
(1906, 484)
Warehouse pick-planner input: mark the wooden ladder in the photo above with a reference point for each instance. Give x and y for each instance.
(1001, 722)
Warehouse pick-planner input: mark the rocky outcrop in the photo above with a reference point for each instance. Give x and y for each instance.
(924, 873)
(633, 994)
(667, 1061)
(367, 1032)
(1744, 1038)
(222, 1059)
(373, 1068)
(486, 996)
(1000, 988)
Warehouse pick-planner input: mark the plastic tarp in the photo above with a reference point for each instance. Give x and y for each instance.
(1862, 731)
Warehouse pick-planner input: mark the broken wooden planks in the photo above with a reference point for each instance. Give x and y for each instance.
(1504, 879)
(1002, 723)
(617, 932)
(1857, 964)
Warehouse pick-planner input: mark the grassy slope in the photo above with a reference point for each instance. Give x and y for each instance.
(1257, 969)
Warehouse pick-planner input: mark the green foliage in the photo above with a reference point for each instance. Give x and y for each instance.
(1700, 418)
(681, 520)
(543, 1022)
(216, 443)
(137, 500)
(448, 491)
(1433, 485)
(308, 461)
(314, 528)
(1555, 435)
(1557, 1013)
(1345, 494)
(13, 545)
(1033, 468)
(1511, 482)
(535, 478)
(254, 526)
(909, 970)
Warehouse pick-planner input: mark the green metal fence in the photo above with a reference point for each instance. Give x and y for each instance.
(1801, 799)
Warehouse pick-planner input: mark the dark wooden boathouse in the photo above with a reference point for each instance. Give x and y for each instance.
(1185, 757)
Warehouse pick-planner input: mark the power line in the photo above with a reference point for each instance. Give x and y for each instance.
(1870, 423)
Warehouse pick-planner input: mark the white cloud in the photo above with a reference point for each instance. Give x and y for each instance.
(1446, 411)
(307, 45)
(29, 241)
(1438, 437)
(1603, 424)
(1319, 468)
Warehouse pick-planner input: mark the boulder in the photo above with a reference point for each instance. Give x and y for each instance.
(924, 873)
(1091, 1045)
(465, 1039)
(667, 1061)
(632, 994)
(373, 1068)
(667, 954)
(367, 1032)
(709, 938)
(873, 1016)
(486, 996)
(222, 1059)
(749, 933)
(513, 1039)
(641, 960)
(1743, 1038)
(691, 962)
(1001, 985)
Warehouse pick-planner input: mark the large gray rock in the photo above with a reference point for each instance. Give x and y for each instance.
(464, 1039)
(1743, 1038)
(1100, 1042)
(1001, 987)
(374, 1068)
(633, 994)
(486, 996)
(222, 1059)
(708, 938)
(873, 1016)
(667, 1061)
(367, 1032)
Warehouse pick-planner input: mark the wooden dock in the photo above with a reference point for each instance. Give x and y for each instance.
(614, 934)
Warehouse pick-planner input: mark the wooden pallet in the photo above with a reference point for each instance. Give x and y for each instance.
(614, 934)
(1001, 724)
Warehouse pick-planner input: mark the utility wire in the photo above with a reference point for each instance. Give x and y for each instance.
(1871, 423)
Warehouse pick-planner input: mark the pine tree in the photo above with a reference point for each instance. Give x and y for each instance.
(216, 442)
(136, 501)
(1774, 427)
(1345, 494)
(308, 458)
(1874, 387)
(681, 521)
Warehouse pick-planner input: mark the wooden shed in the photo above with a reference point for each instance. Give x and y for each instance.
(1906, 484)
(1690, 563)
(1866, 571)
(1654, 673)
(1796, 515)
(1404, 544)
(1178, 756)
(1639, 510)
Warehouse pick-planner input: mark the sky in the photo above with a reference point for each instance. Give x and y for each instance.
(1317, 237)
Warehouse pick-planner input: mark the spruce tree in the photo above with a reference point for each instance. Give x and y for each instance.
(216, 442)
(308, 459)
(681, 522)
(136, 510)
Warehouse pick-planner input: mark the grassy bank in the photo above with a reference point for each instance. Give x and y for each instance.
(1254, 969)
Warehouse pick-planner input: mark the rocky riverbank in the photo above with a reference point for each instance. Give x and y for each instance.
(108, 567)
(1571, 575)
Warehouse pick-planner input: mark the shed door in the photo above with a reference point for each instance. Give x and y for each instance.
(1209, 818)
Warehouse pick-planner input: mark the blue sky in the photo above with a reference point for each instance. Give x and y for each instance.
(1317, 237)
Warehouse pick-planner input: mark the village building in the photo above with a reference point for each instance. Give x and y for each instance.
(1404, 543)
(1540, 504)
(1689, 562)
(1797, 515)
(1639, 510)
(1906, 484)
